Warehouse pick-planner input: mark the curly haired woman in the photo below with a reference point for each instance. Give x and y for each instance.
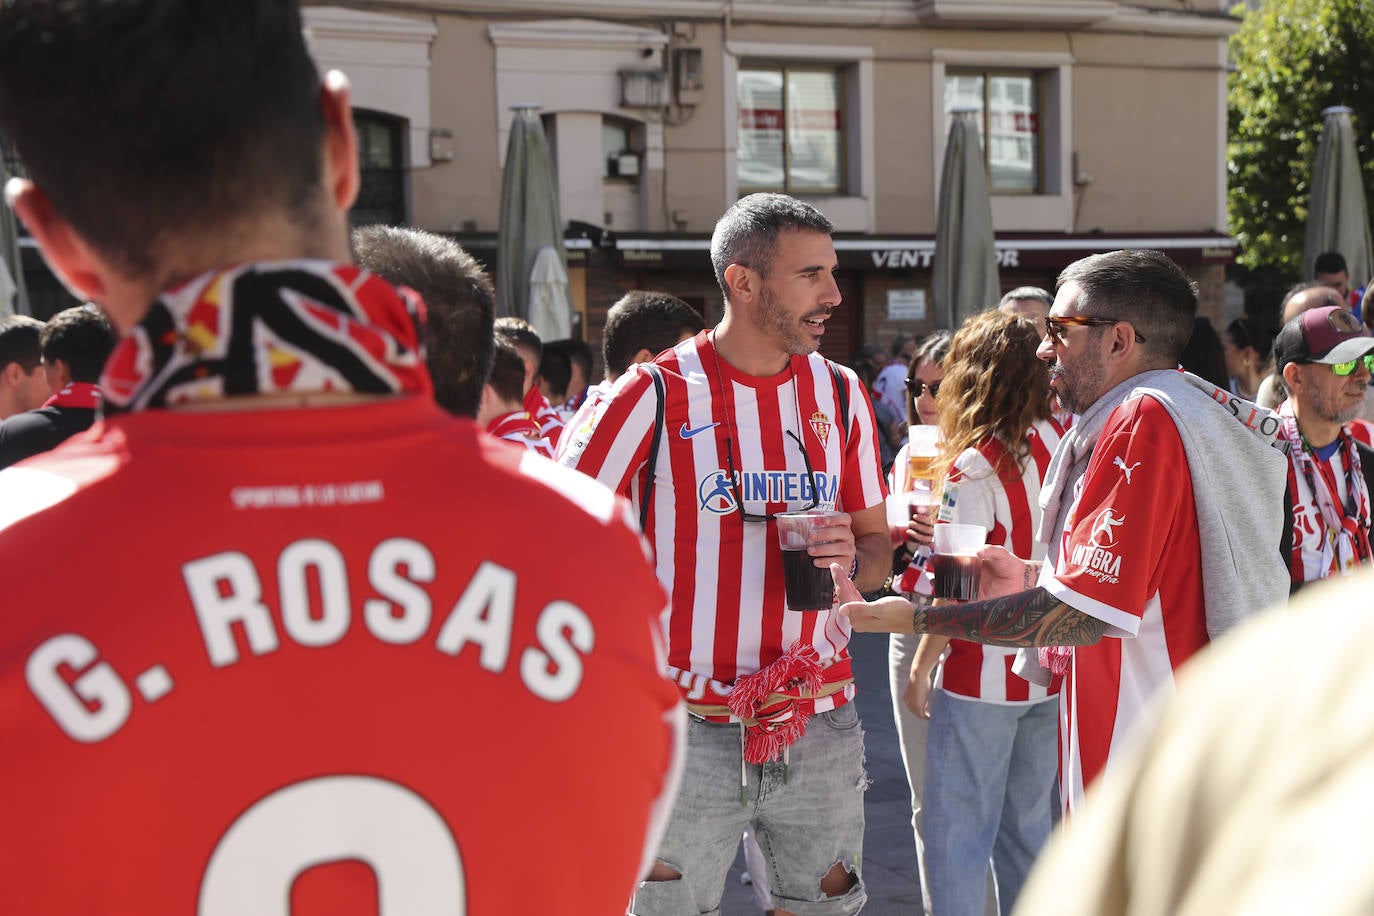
(991, 755)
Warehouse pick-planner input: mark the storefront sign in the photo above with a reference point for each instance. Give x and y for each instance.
(906, 305)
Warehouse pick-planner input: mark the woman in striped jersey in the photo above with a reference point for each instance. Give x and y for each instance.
(991, 749)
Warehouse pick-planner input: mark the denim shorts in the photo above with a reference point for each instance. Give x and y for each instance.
(808, 815)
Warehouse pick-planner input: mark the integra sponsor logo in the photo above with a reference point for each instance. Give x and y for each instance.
(1100, 562)
(716, 493)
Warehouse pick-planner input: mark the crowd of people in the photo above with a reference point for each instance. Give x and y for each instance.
(280, 633)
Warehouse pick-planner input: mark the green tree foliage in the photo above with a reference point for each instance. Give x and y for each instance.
(1292, 58)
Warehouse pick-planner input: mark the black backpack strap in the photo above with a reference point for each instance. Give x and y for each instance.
(661, 392)
(841, 392)
(1286, 539)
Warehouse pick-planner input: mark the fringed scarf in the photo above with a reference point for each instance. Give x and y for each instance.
(1347, 525)
(294, 327)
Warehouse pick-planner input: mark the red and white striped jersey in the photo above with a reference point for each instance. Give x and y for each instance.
(1362, 430)
(977, 495)
(545, 417)
(1131, 557)
(724, 575)
(517, 427)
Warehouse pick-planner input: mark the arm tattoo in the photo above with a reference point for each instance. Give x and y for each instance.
(1031, 575)
(1029, 618)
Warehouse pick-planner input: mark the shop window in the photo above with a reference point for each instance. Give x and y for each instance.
(381, 160)
(620, 157)
(1008, 113)
(791, 129)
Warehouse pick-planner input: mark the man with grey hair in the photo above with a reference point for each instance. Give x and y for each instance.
(1146, 548)
(752, 423)
(1325, 357)
(1029, 302)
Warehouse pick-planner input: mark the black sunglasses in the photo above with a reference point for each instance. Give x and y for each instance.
(1056, 325)
(739, 499)
(915, 387)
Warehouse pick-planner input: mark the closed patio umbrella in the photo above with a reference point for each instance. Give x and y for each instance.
(530, 223)
(964, 271)
(1337, 216)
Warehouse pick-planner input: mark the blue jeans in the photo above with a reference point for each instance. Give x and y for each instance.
(990, 771)
(807, 817)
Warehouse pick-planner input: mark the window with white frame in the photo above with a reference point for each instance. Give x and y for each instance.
(1008, 110)
(791, 128)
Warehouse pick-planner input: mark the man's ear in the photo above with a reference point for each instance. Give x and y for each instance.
(1292, 376)
(341, 141)
(74, 262)
(742, 282)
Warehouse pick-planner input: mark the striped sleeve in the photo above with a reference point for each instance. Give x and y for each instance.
(612, 442)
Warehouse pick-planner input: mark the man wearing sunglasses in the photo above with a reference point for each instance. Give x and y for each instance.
(1326, 356)
(754, 422)
(1163, 514)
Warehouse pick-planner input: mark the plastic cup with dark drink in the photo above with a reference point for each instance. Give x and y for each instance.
(809, 587)
(955, 564)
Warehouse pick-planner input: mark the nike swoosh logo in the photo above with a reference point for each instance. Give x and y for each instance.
(689, 433)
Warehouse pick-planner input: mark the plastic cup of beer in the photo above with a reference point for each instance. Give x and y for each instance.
(923, 444)
(955, 564)
(809, 587)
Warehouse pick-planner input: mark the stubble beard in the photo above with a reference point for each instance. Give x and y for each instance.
(775, 319)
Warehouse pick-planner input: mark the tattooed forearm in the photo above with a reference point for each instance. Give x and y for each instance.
(1030, 618)
(1030, 575)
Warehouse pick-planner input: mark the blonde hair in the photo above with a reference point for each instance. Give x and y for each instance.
(994, 385)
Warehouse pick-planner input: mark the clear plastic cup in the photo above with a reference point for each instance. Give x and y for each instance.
(809, 587)
(956, 565)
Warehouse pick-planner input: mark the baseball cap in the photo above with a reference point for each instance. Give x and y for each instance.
(1326, 335)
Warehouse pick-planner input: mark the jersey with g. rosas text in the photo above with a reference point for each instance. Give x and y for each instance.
(976, 494)
(312, 662)
(727, 437)
(1132, 558)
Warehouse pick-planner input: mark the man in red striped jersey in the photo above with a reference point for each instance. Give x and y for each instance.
(253, 618)
(1163, 513)
(502, 412)
(754, 423)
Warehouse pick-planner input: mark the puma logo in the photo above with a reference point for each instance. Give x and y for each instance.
(1124, 469)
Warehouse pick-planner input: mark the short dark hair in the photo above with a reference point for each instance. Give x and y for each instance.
(1143, 287)
(747, 233)
(1329, 262)
(1027, 292)
(644, 320)
(148, 120)
(522, 335)
(507, 376)
(82, 338)
(556, 370)
(459, 302)
(1247, 332)
(19, 342)
(578, 351)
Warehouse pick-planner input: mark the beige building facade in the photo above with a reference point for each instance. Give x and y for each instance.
(1103, 126)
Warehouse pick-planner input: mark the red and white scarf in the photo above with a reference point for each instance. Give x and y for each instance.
(292, 327)
(1347, 524)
